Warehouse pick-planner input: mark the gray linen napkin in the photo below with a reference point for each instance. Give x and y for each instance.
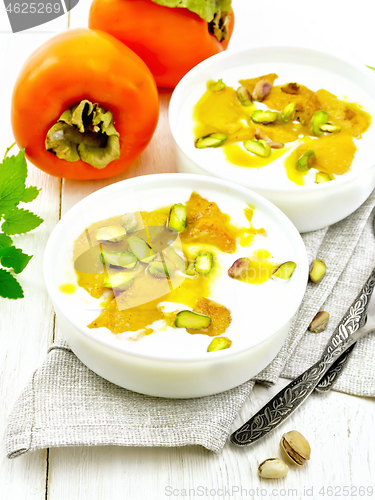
(66, 404)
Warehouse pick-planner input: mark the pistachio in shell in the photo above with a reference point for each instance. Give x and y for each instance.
(295, 447)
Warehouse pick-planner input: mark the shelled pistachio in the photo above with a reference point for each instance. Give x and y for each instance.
(217, 86)
(129, 222)
(239, 268)
(330, 128)
(320, 118)
(322, 177)
(259, 134)
(210, 141)
(261, 90)
(110, 234)
(317, 270)
(259, 148)
(306, 161)
(219, 343)
(273, 468)
(244, 96)
(285, 270)
(320, 322)
(264, 116)
(288, 113)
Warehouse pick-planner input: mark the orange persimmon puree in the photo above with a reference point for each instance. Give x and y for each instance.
(222, 112)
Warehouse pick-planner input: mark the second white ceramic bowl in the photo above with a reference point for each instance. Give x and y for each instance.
(309, 207)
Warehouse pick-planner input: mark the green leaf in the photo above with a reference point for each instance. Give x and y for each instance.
(15, 258)
(30, 194)
(13, 172)
(9, 286)
(5, 241)
(20, 221)
(370, 67)
(206, 9)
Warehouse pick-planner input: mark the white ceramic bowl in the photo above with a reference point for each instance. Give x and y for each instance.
(309, 207)
(175, 364)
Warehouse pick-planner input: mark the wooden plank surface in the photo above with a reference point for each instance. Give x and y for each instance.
(339, 427)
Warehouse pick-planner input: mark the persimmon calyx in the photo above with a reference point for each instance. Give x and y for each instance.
(219, 25)
(215, 12)
(85, 132)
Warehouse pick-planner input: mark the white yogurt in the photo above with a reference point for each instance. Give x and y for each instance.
(256, 309)
(274, 174)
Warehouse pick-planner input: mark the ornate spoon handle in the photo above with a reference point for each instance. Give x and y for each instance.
(281, 406)
(328, 380)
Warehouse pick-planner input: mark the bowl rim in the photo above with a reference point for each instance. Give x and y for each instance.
(175, 108)
(255, 198)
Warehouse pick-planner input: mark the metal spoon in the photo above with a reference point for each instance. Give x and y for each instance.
(280, 407)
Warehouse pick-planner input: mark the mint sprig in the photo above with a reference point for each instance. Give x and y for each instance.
(14, 220)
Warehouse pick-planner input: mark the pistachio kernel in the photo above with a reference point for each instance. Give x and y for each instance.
(317, 271)
(210, 141)
(244, 96)
(239, 268)
(318, 120)
(285, 270)
(217, 86)
(306, 161)
(219, 343)
(330, 128)
(291, 88)
(265, 117)
(259, 134)
(110, 234)
(129, 222)
(322, 177)
(273, 468)
(295, 447)
(261, 90)
(259, 148)
(288, 113)
(320, 322)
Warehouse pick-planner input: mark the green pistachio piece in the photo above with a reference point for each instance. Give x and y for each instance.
(285, 270)
(126, 260)
(306, 161)
(193, 320)
(219, 343)
(176, 258)
(318, 270)
(160, 269)
(322, 177)
(319, 119)
(141, 249)
(129, 222)
(177, 218)
(121, 281)
(217, 86)
(203, 262)
(265, 117)
(244, 96)
(110, 234)
(210, 141)
(190, 270)
(320, 322)
(260, 148)
(288, 113)
(330, 127)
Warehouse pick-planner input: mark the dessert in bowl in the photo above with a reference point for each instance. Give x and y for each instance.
(175, 285)
(292, 124)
